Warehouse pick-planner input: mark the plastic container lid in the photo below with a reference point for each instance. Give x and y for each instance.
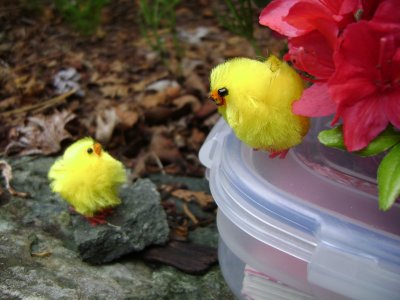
(318, 205)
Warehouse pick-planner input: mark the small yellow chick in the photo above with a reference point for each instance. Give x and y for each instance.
(255, 98)
(88, 178)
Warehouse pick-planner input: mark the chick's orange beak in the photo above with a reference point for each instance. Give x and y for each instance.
(97, 149)
(217, 99)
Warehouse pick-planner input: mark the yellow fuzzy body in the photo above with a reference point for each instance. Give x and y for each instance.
(258, 106)
(87, 181)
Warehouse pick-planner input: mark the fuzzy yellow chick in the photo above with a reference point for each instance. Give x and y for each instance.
(255, 98)
(88, 178)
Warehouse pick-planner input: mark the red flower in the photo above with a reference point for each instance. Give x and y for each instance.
(312, 28)
(272, 16)
(355, 64)
(366, 83)
(315, 102)
(294, 18)
(312, 54)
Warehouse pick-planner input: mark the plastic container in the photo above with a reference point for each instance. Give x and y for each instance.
(304, 227)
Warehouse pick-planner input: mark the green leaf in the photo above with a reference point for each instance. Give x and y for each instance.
(332, 138)
(389, 178)
(387, 139)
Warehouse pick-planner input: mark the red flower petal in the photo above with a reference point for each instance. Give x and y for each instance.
(369, 8)
(360, 73)
(388, 12)
(314, 102)
(313, 16)
(350, 85)
(346, 6)
(355, 35)
(302, 14)
(393, 107)
(272, 16)
(362, 122)
(366, 82)
(312, 54)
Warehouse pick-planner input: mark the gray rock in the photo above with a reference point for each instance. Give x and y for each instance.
(138, 222)
(61, 274)
(39, 258)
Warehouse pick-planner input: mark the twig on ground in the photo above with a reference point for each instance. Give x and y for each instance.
(38, 107)
(189, 214)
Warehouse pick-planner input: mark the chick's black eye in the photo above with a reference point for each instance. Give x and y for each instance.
(223, 92)
(90, 150)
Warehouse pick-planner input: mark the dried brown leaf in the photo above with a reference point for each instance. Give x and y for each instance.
(41, 135)
(164, 147)
(196, 139)
(106, 122)
(173, 92)
(29, 86)
(7, 78)
(179, 233)
(212, 120)
(237, 46)
(6, 171)
(5, 72)
(141, 164)
(158, 109)
(202, 198)
(94, 77)
(104, 80)
(208, 108)
(141, 85)
(117, 66)
(162, 85)
(127, 116)
(153, 100)
(75, 59)
(187, 99)
(195, 82)
(159, 114)
(115, 90)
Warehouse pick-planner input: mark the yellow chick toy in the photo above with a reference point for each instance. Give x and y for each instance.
(255, 98)
(88, 178)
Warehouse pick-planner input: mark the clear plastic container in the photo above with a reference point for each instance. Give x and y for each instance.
(310, 222)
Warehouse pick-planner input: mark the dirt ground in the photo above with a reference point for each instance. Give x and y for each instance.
(58, 85)
(152, 116)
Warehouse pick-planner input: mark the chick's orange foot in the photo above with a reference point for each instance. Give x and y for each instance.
(100, 217)
(273, 154)
(282, 154)
(97, 219)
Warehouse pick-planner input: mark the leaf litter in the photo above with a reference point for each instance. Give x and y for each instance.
(41, 135)
(116, 89)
